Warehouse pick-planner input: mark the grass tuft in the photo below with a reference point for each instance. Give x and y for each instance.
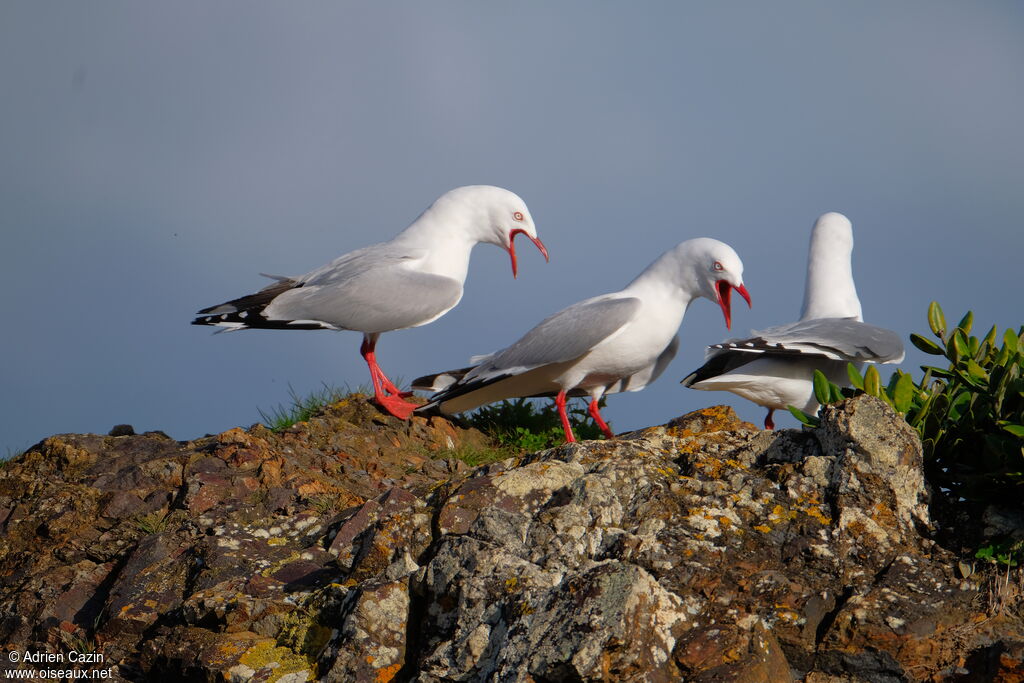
(302, 408)
(153, 523)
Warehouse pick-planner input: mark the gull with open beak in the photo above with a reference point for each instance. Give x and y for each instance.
(775, 367)
(409, 281)
(614, 342)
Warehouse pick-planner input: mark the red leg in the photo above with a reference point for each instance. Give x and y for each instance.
(596, 414)
(560, 402)
(769, 423)
(385, 393)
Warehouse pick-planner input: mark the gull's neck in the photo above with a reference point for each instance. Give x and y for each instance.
(830, 291)
(667, 283)
(447, 235)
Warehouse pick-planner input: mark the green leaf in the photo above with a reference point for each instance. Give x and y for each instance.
(856, 379)
(1016, 430)
(975, 370)
(872, 381)
(903, 393)
(1010, 341)
(990, 339)
(966, 322)
(822, 392)
(960, 344)
(809, 420)
(926, 345)
(957, 404)
(936, 320)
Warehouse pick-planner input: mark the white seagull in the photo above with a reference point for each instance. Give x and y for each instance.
(614, 342)
(410, 281)
(775, 367)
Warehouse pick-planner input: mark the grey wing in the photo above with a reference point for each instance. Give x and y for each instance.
(568, 334)
(369, 299)
(845, 339)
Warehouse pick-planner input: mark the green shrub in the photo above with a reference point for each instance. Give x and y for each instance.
(522, 425)
(969, 414)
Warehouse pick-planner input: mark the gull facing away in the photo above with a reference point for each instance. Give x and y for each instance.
(614, 342)
(410, 281)
(775, 367)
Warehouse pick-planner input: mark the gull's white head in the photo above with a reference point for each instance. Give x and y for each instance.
(711, 269)
(495, 215)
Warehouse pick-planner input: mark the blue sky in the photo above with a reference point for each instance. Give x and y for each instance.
(155, 158)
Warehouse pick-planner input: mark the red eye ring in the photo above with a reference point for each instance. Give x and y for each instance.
(518, 215)
(718, 265)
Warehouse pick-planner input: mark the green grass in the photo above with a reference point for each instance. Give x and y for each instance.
(301, 408)
(153, 523)
(515, 426)
(475, 456)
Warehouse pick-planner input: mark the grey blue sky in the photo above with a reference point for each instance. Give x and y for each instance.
(154, 158)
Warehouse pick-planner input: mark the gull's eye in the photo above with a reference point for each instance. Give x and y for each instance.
(518, 215)
(718, 266)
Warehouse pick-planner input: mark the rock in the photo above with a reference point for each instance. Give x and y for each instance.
(349, 548)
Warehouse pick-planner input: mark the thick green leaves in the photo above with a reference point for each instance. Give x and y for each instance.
(822, 391)
(855, 377)
(1016, 430)
(1011, 341)
(926, 345)
(936, 320)
(872, 382)
(809, 420)
(966, 322)
(903, 393)
(976, 371)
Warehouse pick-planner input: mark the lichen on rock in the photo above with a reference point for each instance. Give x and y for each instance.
(347, 548)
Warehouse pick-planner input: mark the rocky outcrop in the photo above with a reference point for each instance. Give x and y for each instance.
(354, 547)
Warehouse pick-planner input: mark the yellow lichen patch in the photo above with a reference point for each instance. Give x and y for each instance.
(280, 660)
(388, 673)
(511, 584)
(762, 528)
(788, 616)
(881, 513)
(816, 514)
(277, 540)
(716, 419)
(781, 514)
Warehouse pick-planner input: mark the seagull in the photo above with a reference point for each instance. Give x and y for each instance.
(775, 367)
(614, 342)
(409, 281)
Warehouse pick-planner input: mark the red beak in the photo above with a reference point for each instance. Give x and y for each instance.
(724, 291)
(512, 247)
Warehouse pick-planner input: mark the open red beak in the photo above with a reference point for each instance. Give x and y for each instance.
(512, 247)
(724, 290)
